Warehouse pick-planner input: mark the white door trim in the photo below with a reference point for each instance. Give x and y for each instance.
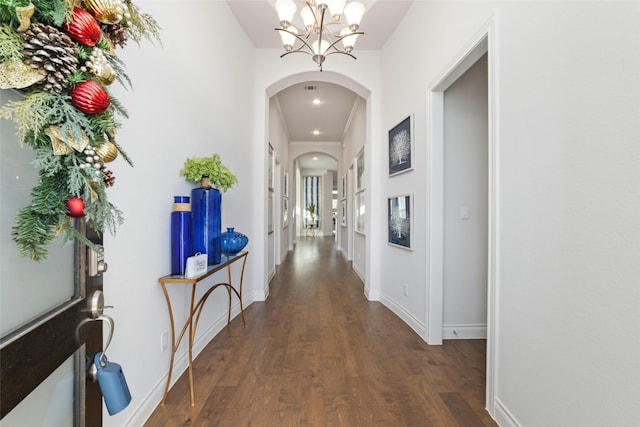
(483, 42)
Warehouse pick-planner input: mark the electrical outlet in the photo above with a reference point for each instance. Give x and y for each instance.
(164, 341)
(405, 290)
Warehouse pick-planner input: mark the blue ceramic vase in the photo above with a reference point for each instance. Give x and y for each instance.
(180, 234)
(206, 221)
(232, 242)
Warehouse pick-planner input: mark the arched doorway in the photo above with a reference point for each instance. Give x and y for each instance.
(287, 148)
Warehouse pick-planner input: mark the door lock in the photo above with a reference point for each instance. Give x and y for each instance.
(95, 304)
(97, 265)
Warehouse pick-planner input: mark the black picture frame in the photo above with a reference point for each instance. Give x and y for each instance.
(400, 221)
(401, 147)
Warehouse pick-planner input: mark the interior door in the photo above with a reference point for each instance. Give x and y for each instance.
(43, 351)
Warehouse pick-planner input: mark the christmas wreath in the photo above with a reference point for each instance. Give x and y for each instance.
(61, 55)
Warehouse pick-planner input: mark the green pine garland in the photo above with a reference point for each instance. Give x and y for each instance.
(73, 174)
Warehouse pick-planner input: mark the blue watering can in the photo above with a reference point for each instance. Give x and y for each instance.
(112, 384)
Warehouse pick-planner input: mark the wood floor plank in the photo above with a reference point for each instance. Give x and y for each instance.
(461, 411)
(318, 354)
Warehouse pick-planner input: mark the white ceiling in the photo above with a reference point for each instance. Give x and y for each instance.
(317, 161)
(258, 19)
(302, 117)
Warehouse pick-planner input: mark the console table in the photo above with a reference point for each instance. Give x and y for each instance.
(196, 308)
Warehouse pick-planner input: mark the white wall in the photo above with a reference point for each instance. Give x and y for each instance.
(466, 186)
(182, 105)
(354, 141)
(279, 139)
(568, 237)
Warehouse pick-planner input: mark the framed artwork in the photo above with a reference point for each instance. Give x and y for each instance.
(272, 161)
(344, 186)
(399, 220)
(359, 214)
(401, 147)
(344, 212)
(285, 211)
(270, 220)
(360, 171)
(285, 185)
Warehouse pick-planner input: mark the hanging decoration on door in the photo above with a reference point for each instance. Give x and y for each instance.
(61, 54)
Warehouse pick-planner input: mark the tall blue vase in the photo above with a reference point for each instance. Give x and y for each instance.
(180, 234)
(206, 221)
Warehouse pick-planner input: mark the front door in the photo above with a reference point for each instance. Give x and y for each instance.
(43, 353)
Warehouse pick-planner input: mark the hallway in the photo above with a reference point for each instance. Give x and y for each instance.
(317, 353)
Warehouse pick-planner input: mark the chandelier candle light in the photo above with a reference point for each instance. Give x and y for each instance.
(324, 27)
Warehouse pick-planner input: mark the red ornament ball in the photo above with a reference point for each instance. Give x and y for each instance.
(75, 207)
(90, 97)
(83, 28)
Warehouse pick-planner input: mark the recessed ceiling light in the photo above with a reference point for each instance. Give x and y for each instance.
(316, 101)
(314, 158)
(316, 132)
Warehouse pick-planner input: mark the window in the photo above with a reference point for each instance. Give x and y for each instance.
(312, 201)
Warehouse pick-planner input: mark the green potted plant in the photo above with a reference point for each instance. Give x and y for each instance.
(219, 176)
(312, 213)
(206, 218)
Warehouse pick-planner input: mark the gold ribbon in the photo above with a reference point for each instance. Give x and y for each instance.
(15, 74)
(94, 194)
(24, 14)
(62, 145)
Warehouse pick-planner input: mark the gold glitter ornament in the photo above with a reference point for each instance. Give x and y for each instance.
(107, 151)
(106, 11)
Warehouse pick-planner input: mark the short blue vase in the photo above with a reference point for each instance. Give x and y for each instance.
(232, 242)
(206, 221)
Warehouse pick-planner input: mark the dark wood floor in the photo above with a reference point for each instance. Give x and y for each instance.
(317, 353)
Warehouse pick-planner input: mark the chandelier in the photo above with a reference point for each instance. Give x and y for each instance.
(324, 32)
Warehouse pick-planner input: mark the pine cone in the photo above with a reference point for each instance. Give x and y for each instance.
(109, 179)
(51, 52)
(116, 34)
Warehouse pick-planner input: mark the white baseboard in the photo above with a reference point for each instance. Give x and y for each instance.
(261, 295)
(503, 417)
(284, 255)
(464, 332)
(181, 364)
(358, 272)
(403, 314)
(370, 295)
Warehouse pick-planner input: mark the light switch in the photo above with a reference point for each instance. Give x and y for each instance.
(464, 212)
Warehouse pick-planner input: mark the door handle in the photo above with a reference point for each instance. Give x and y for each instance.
(95, 305)
(92, 371)
(95, 310)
